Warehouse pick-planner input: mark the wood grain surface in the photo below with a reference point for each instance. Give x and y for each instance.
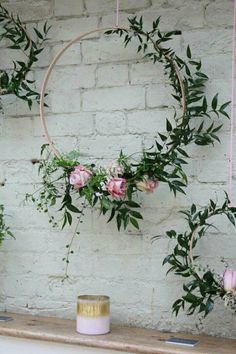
(135, 340)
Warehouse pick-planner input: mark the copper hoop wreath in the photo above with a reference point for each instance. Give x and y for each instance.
(58, 56)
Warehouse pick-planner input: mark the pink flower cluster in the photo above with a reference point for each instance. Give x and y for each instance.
(116, 186)
(229, 280)
(81, 175)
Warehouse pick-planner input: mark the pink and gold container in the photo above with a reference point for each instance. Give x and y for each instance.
(93, 314)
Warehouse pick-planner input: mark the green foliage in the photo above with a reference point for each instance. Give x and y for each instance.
(16, 81)
(4, 229)
(57, 190)
(188, 83)
(203, 285)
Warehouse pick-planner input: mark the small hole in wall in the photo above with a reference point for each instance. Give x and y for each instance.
(34, 161)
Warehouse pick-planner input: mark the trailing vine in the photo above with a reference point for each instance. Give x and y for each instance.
(204, 285)
(114, 188)
(16, 81)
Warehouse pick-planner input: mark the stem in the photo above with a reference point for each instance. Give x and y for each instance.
(190, 255)
(72, 240)
(39, 189)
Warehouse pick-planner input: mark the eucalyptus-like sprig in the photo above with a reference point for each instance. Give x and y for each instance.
(5, 230)
(204, 286)
(16, 81)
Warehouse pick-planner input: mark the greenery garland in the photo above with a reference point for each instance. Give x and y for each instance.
(65, 181)
(204, 285)
(15, 81)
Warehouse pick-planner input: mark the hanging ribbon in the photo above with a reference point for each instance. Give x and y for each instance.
(117, 13)
(230, 183)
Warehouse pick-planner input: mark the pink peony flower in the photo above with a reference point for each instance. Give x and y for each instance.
(229, 280)
(80, 176)
(148, 185)
(117, 187)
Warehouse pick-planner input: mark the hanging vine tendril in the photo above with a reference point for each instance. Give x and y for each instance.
(15, 81)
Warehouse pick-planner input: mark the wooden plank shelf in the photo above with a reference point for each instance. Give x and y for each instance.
(126, 339)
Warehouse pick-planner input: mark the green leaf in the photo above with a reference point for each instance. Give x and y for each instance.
(132, 204)
(136, 214)
(69, 217)
(202, 75)
(189, 54)
(190, 298)
(217, 128)
(38, 33)
(204, 104)
(118, 221)
(134, 222)
(226, 104)
(184, 153)
(162, 136)
(231, 218)
(73, 208)
(112, 215)
(168, 126)
(166, 259)
(214, 102)
(106, 203)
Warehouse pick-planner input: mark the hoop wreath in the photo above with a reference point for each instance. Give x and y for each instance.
(114, 187)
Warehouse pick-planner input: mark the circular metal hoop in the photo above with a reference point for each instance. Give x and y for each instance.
(48, 74)
(58, 56)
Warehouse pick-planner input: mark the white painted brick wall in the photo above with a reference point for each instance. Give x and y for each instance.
(69, 7)
(112, 75)
(110, 99)
(102, 98)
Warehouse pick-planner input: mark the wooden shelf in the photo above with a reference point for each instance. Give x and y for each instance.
(135, 340)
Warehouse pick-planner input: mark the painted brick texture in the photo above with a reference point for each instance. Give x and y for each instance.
(102, 98)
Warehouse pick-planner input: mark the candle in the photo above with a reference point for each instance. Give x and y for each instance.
(93, 314)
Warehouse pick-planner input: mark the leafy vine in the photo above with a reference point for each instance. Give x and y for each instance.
(204, 285)
(15, 81)
(114, 188)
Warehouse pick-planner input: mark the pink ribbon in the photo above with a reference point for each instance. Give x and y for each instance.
(230, 183)
(117, 13)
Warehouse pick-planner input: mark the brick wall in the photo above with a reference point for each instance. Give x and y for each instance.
(104, 98)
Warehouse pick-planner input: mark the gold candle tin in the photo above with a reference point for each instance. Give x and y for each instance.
(93, 314)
